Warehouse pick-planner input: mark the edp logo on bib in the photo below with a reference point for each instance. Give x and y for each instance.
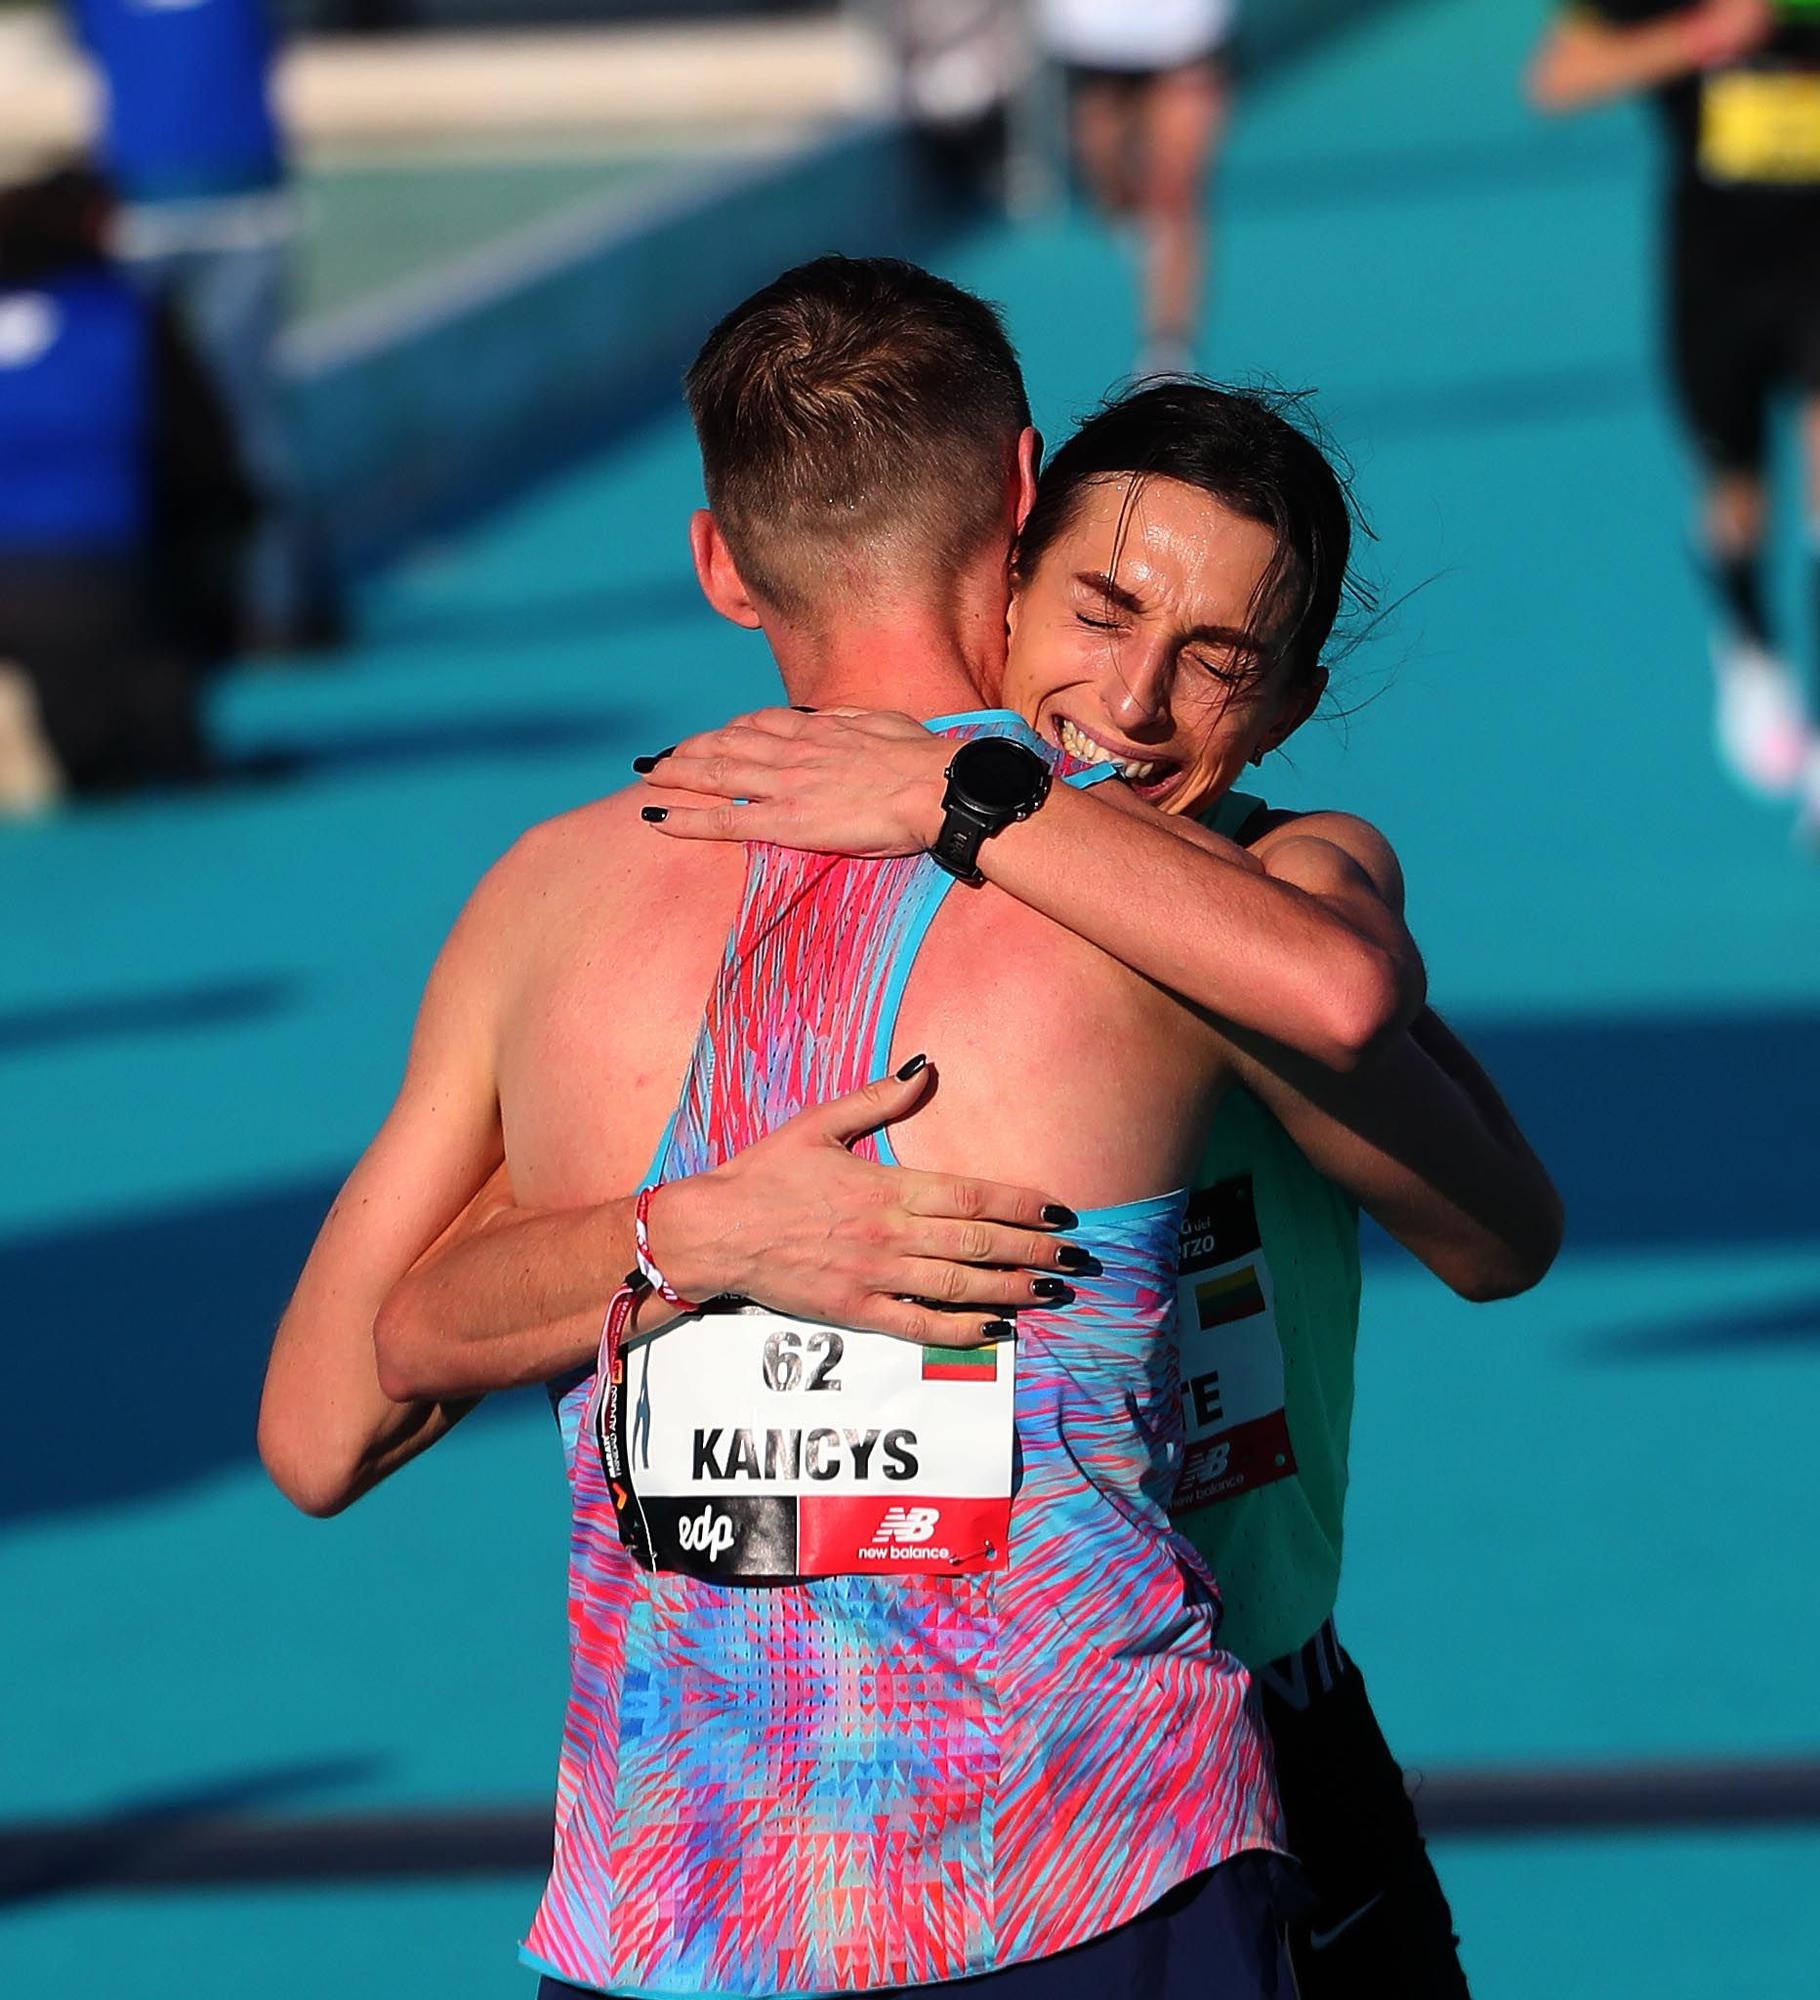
(709, 1533)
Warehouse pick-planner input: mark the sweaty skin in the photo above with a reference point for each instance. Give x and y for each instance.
(1127, 643)
(527, 1050)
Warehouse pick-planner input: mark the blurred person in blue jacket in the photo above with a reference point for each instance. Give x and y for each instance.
(191, 143)
(123, 511)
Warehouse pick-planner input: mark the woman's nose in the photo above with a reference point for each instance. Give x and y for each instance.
(1140, 697)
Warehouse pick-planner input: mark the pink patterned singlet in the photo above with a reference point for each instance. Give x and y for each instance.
(869, 1781)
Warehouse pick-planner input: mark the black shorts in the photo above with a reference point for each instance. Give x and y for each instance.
(1381, 1922)
(1740, 332)
(1225, 1933)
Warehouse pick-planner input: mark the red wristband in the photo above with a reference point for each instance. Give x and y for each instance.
(641, 1235)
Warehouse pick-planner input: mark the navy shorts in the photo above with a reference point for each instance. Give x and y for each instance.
(1226, 1933)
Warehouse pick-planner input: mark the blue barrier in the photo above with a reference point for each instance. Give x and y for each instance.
(436, 399)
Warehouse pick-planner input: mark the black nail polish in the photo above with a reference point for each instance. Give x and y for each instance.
(645, 765)
(914, 1067)
(802, 708)
(655, 815)
(1053, 1290)
(1071, 1257)
(1059, 1217)
(999, 1329)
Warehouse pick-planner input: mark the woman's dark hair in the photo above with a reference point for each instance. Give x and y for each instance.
(1240, 446)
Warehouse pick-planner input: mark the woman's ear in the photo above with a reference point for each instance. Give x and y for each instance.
(1293, 714)
(717, 572)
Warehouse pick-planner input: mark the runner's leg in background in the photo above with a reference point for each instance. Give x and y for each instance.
(1723, 352)
(1182, 118)
(1100, 118)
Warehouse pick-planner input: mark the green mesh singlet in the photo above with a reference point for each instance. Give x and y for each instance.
(1276, 1240)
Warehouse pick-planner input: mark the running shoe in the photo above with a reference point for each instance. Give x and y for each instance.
(1762, 728)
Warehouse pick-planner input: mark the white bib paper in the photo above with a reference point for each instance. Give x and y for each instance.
(757, 1447)
(1232, 1356)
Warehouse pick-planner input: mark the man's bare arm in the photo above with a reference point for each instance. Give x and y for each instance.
(327, 1429)
(1321, 963)
(1418, 1135)
(1420, 1138)
(1325, 968)
(1417, 1143)
(797, 1221)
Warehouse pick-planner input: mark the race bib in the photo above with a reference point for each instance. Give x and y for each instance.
(1760, 126)
(747, 1447)
(1232, 1360)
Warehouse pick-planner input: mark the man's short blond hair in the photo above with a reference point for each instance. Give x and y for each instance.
(858, 420)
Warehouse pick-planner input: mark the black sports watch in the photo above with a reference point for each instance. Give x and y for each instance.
(992, 781)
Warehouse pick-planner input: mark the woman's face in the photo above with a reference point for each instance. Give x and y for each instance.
(1135, 647)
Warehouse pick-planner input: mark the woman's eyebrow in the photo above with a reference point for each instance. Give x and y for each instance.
(1097, 581)
(1102, 585)
(1224, 635)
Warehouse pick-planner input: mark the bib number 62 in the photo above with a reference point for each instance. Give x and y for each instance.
(788, 1355)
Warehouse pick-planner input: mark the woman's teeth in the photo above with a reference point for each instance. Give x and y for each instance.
(1077, 743)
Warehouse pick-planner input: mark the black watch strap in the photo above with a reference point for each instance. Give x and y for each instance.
(992, 783)
(964, 832)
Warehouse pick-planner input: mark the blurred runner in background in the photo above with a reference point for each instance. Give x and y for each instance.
(1149, 94)
(191, 142)
(1738, 84)
(958, 60)
(122, 509)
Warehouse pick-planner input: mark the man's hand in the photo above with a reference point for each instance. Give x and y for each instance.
(801, 1225)
(840, 781)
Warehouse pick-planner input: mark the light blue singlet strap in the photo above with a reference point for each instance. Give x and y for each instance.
(933, 890)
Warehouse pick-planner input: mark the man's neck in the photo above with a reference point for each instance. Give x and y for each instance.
(924, 662)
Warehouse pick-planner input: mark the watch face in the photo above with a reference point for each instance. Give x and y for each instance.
(997, 775)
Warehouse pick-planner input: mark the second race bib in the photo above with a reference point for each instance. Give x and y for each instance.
(1761, 126)
(1232, 1358)
(745, 1446)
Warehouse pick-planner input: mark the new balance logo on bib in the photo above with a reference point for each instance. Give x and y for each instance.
(745, 1446)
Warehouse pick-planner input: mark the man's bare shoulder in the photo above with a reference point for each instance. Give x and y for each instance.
(602, 851)
(1355, 837)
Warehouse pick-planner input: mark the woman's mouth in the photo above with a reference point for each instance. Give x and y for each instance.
(1146, 773)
